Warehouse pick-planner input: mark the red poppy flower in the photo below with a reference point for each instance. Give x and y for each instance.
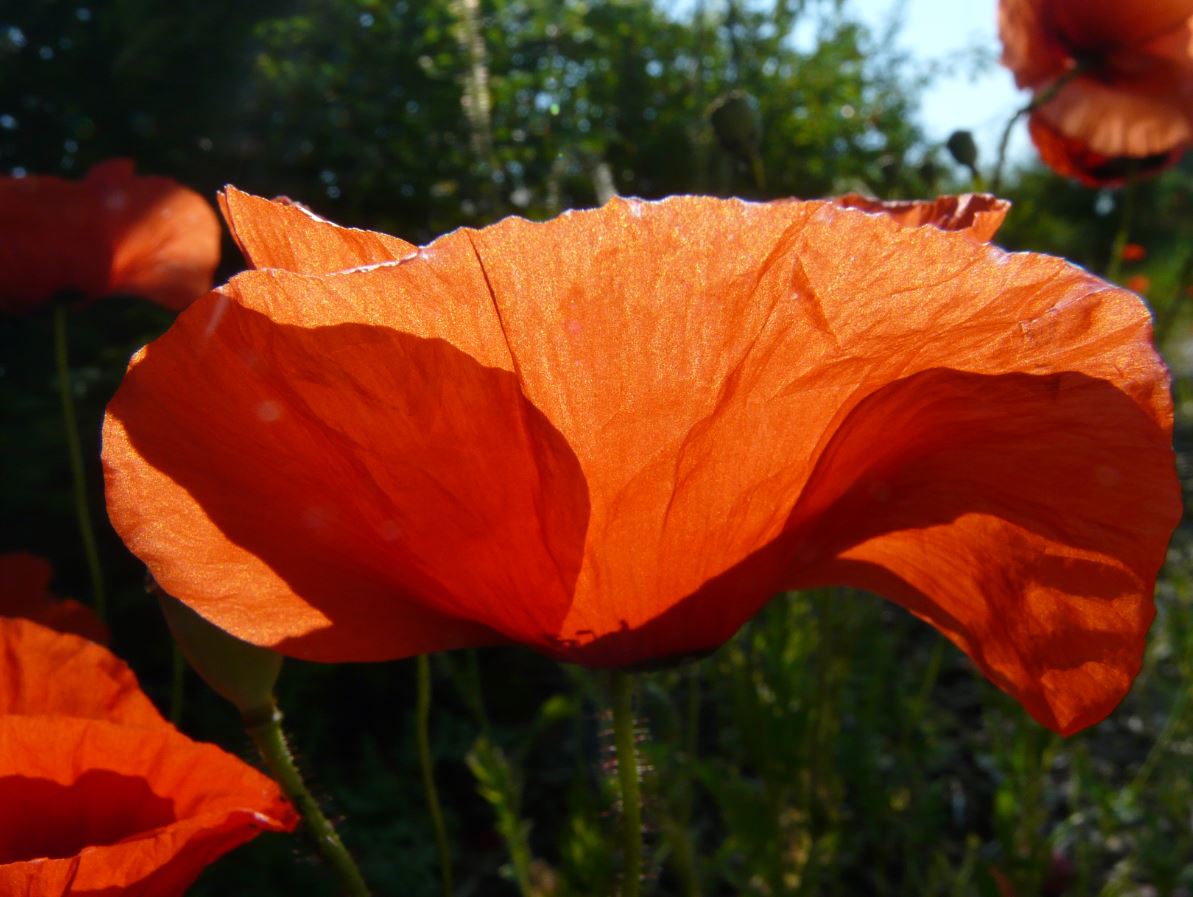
(1125, 104)
(100, 794)
(615, 435)
(25, 592)
(1134, 252)
(1138, 283)
(979, 215)
(112, 232)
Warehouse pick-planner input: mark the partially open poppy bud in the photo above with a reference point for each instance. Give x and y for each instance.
(735, 122)
(962, 148)
(242, 673)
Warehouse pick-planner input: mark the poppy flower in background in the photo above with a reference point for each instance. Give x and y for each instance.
(113, 232)
(1134, 252)
(100, 794)
(614, 436)
(1123, 80)
(1138, 283)
(25, 592)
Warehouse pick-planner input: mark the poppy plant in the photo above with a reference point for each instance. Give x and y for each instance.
(25, 592)
(614, 436)
(113, 232)
(100, 794)
(1113, 82)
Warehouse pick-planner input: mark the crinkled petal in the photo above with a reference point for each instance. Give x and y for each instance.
(979, 215)
(687, 367)
(96, 808)
(283, 234)
(43, 672)
(339, 489)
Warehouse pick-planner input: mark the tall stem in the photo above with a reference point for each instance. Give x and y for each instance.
(622, 689)
(271, 742)
(75, 450)
(426, 762)
(1037, 101)
(1114, 267)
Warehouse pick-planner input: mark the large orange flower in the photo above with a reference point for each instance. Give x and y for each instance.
(615, 435)
(1122, 74)
(100, 794)
(25, 592)
(112, 232)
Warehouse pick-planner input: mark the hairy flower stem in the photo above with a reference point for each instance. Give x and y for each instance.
(622, 693)
(266, 731)
(422, 716)
(75, 450)
(1037, 101)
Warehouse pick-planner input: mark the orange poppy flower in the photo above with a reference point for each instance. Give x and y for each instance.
(113, 232)
(100, 794)
(25, 592)
(615, 435)
(1134, 252)
(979, 215)
(1138, 283)
(1123, 80)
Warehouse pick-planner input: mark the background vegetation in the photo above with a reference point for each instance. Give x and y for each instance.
(836, 746)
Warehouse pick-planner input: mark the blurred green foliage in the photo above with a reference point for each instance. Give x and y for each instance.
(836, 746)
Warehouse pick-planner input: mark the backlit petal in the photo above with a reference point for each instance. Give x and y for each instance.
(43, 672)
(92, 807)
(278, 234)
(979, 215)
(112, 232)
(615, 435)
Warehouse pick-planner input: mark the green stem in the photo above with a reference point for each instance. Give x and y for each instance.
(75, 450)
(267, 734)
(177, 684)
(426, 764)
(1037, 101)
(1114, 267)
(622, 690)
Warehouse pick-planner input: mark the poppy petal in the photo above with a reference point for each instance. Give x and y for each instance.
(26, 593)
(275, 234)
(112, 232)
(43, 672)
(418, 507)
(1074, 159)
(1113, 122)
(680, 371)
(93, 807)
(979, 215)
(163, 239)
(1094, 25)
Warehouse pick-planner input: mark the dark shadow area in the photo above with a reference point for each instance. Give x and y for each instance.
(1065, 457)
(45, 819)
(393, 482)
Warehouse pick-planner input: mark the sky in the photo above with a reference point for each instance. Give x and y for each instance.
(983, 102)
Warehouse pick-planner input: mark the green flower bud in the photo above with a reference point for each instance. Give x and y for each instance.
(242, 673)
(960, 144)
(735, 122)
